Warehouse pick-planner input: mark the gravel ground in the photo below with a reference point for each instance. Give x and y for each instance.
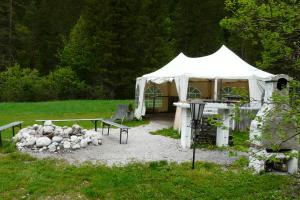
(141, 147)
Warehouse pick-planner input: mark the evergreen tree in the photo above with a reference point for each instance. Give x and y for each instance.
(196, 29)
(115, 41)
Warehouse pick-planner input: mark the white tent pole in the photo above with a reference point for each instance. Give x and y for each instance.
(216, 90)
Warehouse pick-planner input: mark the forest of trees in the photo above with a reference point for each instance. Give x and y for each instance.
(65, 49)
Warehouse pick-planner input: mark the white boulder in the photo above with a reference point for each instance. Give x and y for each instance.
(74, 139)
(67, 132)
(83, 143)
(43, 142)
(48, 130)
(57, 139)
(67, 145)
(30, 141)
(58, 130)
(52, 146)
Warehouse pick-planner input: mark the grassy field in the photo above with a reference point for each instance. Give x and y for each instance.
(29, 112)
(24, 177)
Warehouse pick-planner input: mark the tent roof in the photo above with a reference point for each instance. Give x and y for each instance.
(223, 64)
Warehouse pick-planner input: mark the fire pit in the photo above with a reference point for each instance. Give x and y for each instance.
(52, 138)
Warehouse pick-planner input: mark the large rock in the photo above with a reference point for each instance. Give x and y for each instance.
(58, 130)
(48, 130)
(43, 142)
(83, 143)
(74, 139)
(23, 134)
(52, 147)
(76, 129)
(57, 139)
(67, 132)
(67, 145)
(30, 141)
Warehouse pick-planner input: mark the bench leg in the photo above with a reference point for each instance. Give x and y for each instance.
(13, 129)
(122, 131)
(95, 122)
(103, 126)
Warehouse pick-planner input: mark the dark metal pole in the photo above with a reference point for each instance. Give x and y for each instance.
(194, 150)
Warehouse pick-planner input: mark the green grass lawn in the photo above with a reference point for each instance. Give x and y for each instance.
(168, 132)
(24, 177)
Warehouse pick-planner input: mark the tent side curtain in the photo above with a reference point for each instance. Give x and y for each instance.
(182, 83)
(255, 92)
(140, 107)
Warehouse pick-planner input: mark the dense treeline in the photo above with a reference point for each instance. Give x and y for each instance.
(62, 49)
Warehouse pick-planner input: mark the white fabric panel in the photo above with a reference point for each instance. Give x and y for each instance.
(255, 92)
(141, 109)
(182, 83)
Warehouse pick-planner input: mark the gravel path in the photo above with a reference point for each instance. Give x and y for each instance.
(141, 147)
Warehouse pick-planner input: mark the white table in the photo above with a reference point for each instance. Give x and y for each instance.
(222, 135)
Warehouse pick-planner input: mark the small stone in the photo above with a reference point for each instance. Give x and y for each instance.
(67, 145)
(43, 142)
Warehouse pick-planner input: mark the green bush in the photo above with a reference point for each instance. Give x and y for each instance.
(19, 84)
(66, 84)
(25, 84)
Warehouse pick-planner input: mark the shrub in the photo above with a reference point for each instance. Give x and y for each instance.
(19, 84)
(66, 83)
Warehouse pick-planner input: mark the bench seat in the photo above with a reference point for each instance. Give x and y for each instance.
(10, 125)
(123, 129)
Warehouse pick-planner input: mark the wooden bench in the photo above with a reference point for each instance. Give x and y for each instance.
(123, 129)
(94, 121)
(10, 125)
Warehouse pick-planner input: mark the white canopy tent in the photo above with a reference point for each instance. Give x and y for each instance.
(223, 64)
